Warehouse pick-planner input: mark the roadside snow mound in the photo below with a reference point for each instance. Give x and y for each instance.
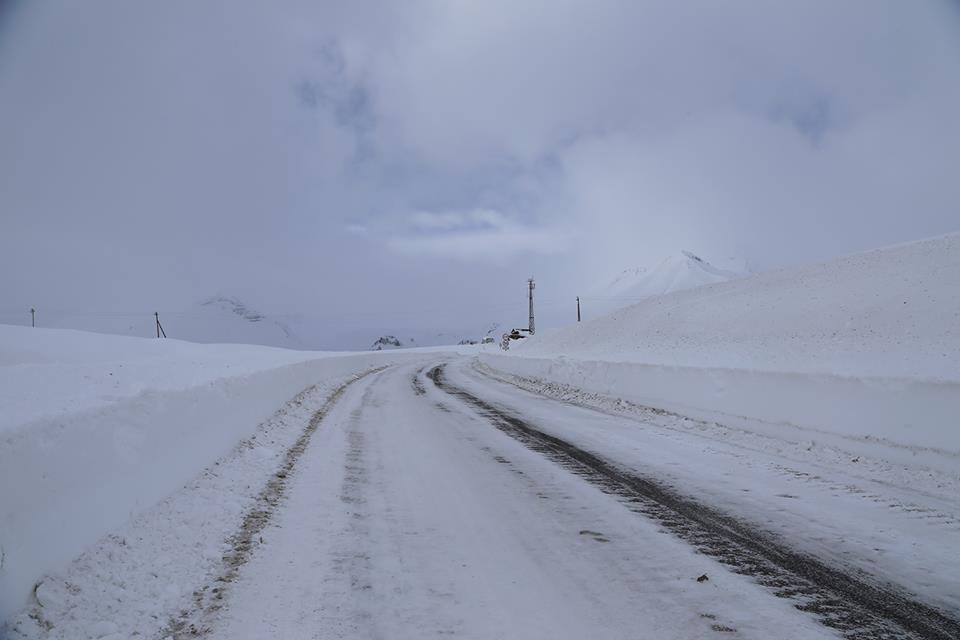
(46, 373)
(96, 428)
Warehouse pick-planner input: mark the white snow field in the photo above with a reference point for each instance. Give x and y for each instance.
(773, 457)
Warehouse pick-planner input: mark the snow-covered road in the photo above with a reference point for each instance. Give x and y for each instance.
(410, 516)
(433, 496)
(865, 512)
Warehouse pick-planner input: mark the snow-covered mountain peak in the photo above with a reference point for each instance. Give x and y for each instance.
(682, 270)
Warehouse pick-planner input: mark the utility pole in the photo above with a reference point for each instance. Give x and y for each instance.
(578, 308)
(33, 317)
(531, 327)
(156, 316)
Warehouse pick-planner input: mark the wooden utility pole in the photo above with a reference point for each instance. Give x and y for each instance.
(578, 308)
(33, 317)
(156, 316)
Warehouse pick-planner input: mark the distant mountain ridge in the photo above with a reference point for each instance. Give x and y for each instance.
(234, 305)
(430, 338)
(254, 327)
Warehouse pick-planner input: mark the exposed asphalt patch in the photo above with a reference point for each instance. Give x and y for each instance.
(193, 623)
(851, 603)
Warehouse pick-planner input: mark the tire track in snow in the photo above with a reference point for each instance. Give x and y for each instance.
(353, 565)
(849, 603)
(873, 471)
(210, 599)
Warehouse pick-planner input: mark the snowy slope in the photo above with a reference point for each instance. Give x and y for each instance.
(888, 312)
(685, 270)
(864, 347)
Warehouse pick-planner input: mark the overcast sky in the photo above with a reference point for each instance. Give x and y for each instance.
(412, 163)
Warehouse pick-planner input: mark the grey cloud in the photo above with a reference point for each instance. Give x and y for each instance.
(162, 153)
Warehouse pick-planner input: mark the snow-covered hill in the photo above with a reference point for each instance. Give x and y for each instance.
(890, 311)
(684, 270)
(863, 347)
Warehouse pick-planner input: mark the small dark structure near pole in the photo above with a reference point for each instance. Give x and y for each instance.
(517, 334)
(33, 317)
(156, 316)
(578, 308)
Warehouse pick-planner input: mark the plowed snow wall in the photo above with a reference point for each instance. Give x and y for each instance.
(915, 414)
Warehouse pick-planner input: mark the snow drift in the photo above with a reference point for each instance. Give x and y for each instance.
(865, 346)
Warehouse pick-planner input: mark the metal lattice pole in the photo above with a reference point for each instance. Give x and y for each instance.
(532, 286)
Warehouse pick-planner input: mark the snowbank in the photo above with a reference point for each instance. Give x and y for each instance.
(49, 372)
(914, 414)
(97, 428)
(866, 346)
